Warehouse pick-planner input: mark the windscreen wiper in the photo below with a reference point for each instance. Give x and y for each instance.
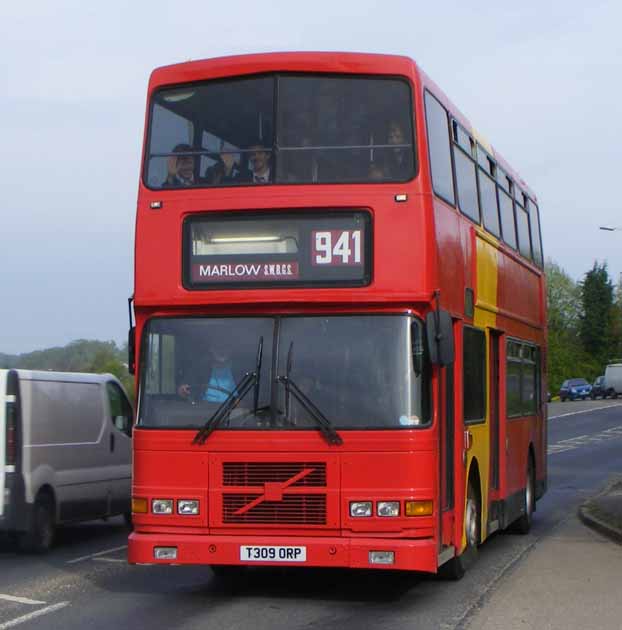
(291, 389)
(249, 380)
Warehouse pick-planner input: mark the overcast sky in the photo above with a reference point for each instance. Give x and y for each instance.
(542, 81)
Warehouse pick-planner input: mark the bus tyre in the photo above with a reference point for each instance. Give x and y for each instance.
(455, 568)
(523, 524)
(40, 536)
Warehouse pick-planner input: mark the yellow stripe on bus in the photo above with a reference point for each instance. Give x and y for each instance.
(485, 318)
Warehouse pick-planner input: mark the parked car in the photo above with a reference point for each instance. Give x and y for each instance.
(67, 452)
(613, 379)
(574, 388)
(598, 388)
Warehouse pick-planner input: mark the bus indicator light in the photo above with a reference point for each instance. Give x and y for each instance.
(419, 508)
(139, 505)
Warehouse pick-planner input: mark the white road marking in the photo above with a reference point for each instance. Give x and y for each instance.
(111, 560)
(37, 613)
(94, 555)
(21, 600)
(584, 440)
(574, 413)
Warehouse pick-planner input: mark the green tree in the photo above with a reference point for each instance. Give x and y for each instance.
(596, 322)
(563, 299)
(565, 353)
(616, 324)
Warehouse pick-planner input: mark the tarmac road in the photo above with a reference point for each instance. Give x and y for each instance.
(85, 582)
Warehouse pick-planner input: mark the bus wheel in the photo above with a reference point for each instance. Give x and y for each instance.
(40, 536)
(523, 524)
(455, 568)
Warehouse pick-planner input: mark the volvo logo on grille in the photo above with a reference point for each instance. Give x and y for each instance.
(273, 491)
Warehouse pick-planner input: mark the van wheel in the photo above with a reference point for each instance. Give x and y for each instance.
(40, 537)
(455, 568)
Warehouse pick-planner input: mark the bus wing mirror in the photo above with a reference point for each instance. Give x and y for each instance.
(131, 350)
(440, 338)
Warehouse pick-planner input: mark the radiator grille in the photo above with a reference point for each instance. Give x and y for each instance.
(294, 509)
(250, 474)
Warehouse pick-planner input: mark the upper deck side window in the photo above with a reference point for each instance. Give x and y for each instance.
(282, 129)
(464, 162)
(438, 148)
(488, 191)
(536, 240)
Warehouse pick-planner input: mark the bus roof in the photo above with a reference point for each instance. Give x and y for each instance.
(333, 62)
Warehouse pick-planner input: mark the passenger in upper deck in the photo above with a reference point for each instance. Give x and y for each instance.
(398, 161)
(299, 164)
(226, 170)
(259, 163)
(180, 168)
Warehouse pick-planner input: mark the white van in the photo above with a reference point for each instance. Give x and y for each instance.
(65, 451)
(613, 380)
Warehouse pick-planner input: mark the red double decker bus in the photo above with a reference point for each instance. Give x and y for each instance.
(340, 321)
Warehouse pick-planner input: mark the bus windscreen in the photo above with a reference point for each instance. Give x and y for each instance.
(191, 366)
(317, 129)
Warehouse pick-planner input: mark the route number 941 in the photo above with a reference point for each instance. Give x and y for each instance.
(336, 247)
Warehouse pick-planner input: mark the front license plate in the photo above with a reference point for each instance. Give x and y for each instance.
(266, 553)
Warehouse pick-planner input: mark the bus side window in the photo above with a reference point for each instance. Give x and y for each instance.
(438, 148)
(534, 224)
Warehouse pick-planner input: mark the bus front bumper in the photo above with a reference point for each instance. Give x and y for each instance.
(356, 553)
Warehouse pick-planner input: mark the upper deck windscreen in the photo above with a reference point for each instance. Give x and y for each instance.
(282, 129)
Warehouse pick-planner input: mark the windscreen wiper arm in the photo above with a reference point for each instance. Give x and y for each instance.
(326, 426)
(249, 380)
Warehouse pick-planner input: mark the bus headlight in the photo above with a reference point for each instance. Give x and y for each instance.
(388, 508)
(360, 508)
(162, 506)
(188, 507)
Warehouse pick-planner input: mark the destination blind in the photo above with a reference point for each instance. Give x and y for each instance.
(311, 248)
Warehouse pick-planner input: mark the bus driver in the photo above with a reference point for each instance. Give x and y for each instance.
(221, 382)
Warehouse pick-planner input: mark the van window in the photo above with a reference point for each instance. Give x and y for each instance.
(65, 412)
(120, 409)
